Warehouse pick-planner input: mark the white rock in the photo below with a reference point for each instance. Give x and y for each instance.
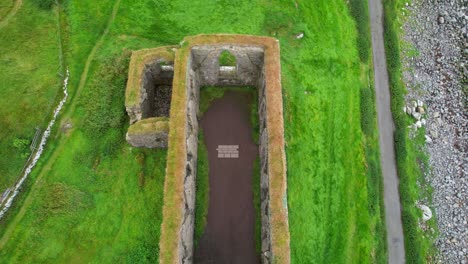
(427, 213)
(418, 124)
(428, 139)
(420, 103)
(417, 116)
(420, 110)
(409, 110)
(300, 35)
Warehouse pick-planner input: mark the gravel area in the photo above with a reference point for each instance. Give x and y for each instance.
(435, 72)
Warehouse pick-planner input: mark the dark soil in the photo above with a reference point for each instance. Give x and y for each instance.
(229, 233)
(162, 100)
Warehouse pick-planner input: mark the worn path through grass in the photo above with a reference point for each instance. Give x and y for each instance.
(89, 60)
(47, 167)
(395, 239)
(4, 21)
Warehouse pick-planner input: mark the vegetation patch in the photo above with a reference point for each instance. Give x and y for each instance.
(150, 125)
(45, 4)
(360, 11)
(5, 7)
(257, 204)
(202, 198)
(30, 83)
(98, 189)
(411, 160)
(227, 59)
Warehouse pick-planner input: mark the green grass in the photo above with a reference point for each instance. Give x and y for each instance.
(412, 162)
(5, 7)
(227, 59)
(202, 188)
(360, 13)
(207, 96)
(257, 203)
(116, 217)
(329, 195)
(30, 83)
(101, 199)
(373, 172)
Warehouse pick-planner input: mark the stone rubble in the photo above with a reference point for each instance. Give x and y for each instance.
(435, 72)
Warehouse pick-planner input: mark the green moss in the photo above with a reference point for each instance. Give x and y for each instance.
(202, 188)
(227, 59)
(256, 201)
(150, 125)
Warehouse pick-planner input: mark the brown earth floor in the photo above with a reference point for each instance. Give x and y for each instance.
(229, 232)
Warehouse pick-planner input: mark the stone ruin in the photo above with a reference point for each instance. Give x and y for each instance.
(148, 97)
(170, 77)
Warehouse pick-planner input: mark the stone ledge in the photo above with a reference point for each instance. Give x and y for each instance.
(140, 59)
(149, 133)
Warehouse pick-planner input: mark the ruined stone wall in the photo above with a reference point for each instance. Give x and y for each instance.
(197, 65)
(149, 133)
(249, 64)
(203, 69)
(264, 176)
(156, 90)
(192, 98)
(148, 97)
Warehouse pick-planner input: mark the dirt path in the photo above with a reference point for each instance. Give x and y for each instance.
(229, 233)
(395, 239)
(4, 21)
(84, 75)
(50, 162)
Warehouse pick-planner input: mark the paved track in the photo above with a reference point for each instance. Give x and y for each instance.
(229, 232)
(396, 250)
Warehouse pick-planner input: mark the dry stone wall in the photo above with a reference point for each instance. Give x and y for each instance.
(186, 234)
(197, 64)
(152, 91)
(203, 69)
(206, 63)
(266, 256)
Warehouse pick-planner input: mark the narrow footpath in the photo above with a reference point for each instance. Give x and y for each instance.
(5, 20)
(395, 239)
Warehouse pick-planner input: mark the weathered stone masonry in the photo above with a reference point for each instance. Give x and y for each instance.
(203, 69)
(148, 97)
(197, 65)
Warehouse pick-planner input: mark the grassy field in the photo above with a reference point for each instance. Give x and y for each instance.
(5, 7)
(332, 198)
(30, 82)
(412, 162)
(335, 212)
(100, 199)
